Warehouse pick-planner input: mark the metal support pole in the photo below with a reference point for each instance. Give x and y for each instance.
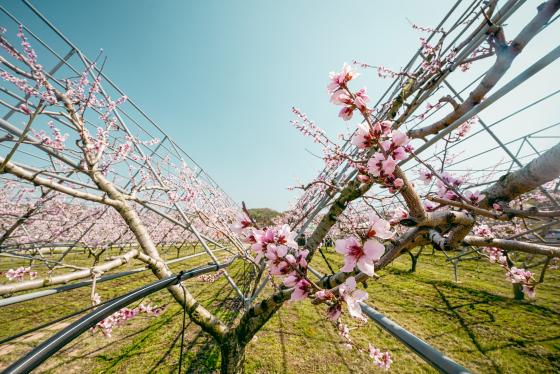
(428, 353)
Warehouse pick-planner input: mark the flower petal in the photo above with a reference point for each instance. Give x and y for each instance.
(349, 264)
(350, 284)
(373, 249)
(340, 246)
(366, 267)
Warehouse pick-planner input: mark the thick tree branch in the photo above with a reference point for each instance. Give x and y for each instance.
(541, 170)
(512, 245)
(10, 288)
(503, 62)
(40, 181)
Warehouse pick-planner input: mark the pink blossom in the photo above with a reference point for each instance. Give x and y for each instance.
(354, 254)
(529, 291)
(429, 206)
(341, 97)
(496, 255)
(465, 127)
(291, 280)
(381, 359)
(379, 227)
(515, 275)
(241, 223)
(337, 80)
(360, 99)
(334, 312)
(398, 215)
(398, 183)
(524, 277)
(399, 138)
(286, 237)
(396, 145)
(301, 258)
(425, 175)
(382, 128)
(24, 109)
(362, 137)
(322, 295)
(346, 113)
(121, 316)
(302, 290)
(399, 153)
(353, 297)
(278, 262)
(497, 207)
(483, 230)
(364, 178)
(262, 239)
(378, 165)
(474, 197)
(19, 274)
(445, 185)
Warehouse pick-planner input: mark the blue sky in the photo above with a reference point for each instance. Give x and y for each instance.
(221, 76)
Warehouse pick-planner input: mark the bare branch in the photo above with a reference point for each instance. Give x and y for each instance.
(512, 245)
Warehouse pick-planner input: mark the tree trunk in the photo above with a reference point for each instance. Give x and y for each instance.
(518, 291)
(233, 356)
(414, 259)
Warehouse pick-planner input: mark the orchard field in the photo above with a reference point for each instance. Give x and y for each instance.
(476, 321)
(408, 157)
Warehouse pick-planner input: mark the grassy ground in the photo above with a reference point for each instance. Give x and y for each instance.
(475, 322)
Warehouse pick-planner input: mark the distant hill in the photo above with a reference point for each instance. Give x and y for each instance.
(263, 216)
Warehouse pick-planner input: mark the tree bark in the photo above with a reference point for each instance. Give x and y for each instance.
(541, 170)
(233, 355)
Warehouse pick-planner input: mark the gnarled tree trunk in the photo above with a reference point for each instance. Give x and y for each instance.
(233, 355)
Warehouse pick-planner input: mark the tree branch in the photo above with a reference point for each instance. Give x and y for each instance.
(496, 72)
(512, 245)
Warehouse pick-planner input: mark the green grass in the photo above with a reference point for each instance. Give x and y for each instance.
(475, 322)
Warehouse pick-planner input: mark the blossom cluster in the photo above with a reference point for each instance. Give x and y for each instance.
(120, 317)
(364, 255)
(523, 277)
(465, 127)
(447, 186)
(211, 278)
(495, 255)
(19, 274)
(277, 246)
(431, 64)
(55, 141)
(382, 359)
(341, 95)
(28, 57)
(513, 274)
(393, 146)
(82, 92)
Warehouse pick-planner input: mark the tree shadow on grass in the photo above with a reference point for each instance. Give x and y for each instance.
(336, 343)
(282, 336)
(467, 328)
(201, 354)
